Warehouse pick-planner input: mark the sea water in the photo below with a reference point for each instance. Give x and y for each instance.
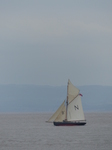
(31, 132)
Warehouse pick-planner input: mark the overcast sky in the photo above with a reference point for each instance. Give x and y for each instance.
(45, 42)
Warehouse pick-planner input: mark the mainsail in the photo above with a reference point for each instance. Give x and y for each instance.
(75, 110)
(74, 105)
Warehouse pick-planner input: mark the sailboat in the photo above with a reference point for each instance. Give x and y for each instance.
(70, 113)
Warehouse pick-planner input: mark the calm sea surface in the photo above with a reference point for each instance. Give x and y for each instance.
(31, 132)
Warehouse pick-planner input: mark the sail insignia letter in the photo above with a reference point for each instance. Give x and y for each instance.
(76, 107)
(62, 112)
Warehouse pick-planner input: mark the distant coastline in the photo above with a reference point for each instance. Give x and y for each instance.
(37, 99)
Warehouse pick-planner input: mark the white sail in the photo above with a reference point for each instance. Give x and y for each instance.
(72, 92)
(75, 110)
(59, 114)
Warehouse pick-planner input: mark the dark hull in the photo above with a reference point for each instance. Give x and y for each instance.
(69, 123)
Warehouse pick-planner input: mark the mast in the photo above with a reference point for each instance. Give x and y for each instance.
(66, 103)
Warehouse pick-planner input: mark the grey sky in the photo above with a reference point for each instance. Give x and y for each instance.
(46, 42)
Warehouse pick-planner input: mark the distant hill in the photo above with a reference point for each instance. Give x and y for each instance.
(33, 98)
(97, 98)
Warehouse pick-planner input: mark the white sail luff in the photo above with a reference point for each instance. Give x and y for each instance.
(75, 110)
(56, 114)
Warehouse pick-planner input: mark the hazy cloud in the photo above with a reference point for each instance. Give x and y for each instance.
(47, 42)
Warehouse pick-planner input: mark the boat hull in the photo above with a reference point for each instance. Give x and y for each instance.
(69, 123)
